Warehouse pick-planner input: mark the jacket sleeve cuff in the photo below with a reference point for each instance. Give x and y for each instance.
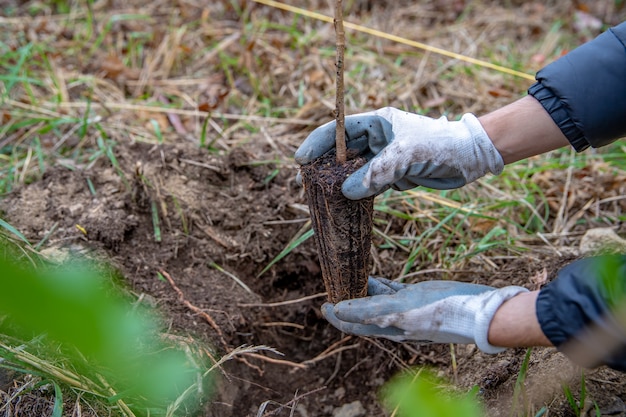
(560, 115)
(578, 311)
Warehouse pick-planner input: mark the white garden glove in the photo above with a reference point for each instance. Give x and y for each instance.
(405, 150)
(426, 312)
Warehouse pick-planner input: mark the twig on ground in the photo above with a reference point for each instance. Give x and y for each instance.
(284, 303)
(195, 309)
(278, 361)
(182, 112)
(333, 350)
(394, 356)
(283, 324)
(335, 371)
(210, 321)
(331, 353)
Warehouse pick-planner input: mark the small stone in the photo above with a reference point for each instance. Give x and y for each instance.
(340, 392)
(353, 409)
(76, 209)
(602, 240)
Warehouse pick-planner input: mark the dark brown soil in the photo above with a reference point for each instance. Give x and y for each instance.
(226, 212)
(343, 227)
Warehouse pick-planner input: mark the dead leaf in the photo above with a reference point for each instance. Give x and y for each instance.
(482, 226)
(206, 107)
(316, 78)
(113, 68)
(581, 6)
(213, 93)
(499, 92)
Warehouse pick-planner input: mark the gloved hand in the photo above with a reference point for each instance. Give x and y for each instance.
(428, 312)
(405, 150)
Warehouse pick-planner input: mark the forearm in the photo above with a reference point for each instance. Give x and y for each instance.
(522, 129)
(515, 323)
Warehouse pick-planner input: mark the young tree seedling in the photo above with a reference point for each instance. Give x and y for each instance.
(342, 227)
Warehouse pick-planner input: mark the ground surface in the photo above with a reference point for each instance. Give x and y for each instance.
(222, 218)
(237, 222)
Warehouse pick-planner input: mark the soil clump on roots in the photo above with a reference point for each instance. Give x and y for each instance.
(343, 227)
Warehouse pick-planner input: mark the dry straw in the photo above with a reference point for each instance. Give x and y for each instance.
(398, 39)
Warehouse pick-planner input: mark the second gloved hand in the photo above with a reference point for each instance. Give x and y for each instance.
(429, 311)
(405, 150)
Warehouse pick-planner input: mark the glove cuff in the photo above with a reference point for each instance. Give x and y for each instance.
(490, 304)
(485, 153)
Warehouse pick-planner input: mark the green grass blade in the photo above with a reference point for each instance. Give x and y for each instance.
(519, 382)
(157, 130)
(583, 390)
(13, 78)
(47, 236)
(57, 410)
(291, 246)
(203, 130)
(155, 222)
(14, 231)
(571, 400)
(419, 248)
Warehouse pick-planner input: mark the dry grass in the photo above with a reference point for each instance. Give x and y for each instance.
(212, 75)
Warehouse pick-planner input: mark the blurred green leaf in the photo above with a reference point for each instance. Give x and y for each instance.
(423, 394)
(79, 307)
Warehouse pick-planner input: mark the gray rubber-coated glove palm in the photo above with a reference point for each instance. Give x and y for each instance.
(405, 150)
(427, 312)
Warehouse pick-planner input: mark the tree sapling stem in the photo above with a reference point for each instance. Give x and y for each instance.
(340, 113)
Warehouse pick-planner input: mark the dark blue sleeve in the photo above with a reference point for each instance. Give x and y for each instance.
(582, 307)
(585, 90)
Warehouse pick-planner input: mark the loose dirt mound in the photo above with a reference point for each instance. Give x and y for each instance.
(211, 224)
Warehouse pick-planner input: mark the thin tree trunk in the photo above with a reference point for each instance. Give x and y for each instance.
(340, 136)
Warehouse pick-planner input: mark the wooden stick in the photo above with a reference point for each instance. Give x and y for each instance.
(340, 114)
